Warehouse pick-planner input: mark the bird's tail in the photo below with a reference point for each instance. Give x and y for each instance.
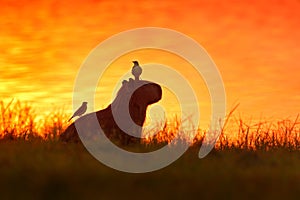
(71, 118)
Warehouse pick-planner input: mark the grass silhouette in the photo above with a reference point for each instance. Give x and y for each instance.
(20, 121)
(258, 160)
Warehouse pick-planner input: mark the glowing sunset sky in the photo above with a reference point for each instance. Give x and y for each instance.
(255, 45)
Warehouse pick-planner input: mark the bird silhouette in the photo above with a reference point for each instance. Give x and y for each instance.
(80, 111)
(136, 70)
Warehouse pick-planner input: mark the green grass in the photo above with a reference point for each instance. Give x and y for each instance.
(54, 170)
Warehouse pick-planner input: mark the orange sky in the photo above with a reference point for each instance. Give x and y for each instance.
(255, 45)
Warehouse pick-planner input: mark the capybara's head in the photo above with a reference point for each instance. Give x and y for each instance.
(141, 98)
(147, 94)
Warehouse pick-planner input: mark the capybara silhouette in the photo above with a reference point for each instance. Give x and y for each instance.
(136, 94)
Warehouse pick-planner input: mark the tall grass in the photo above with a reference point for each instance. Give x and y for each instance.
(18, 120)
(264, 135)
